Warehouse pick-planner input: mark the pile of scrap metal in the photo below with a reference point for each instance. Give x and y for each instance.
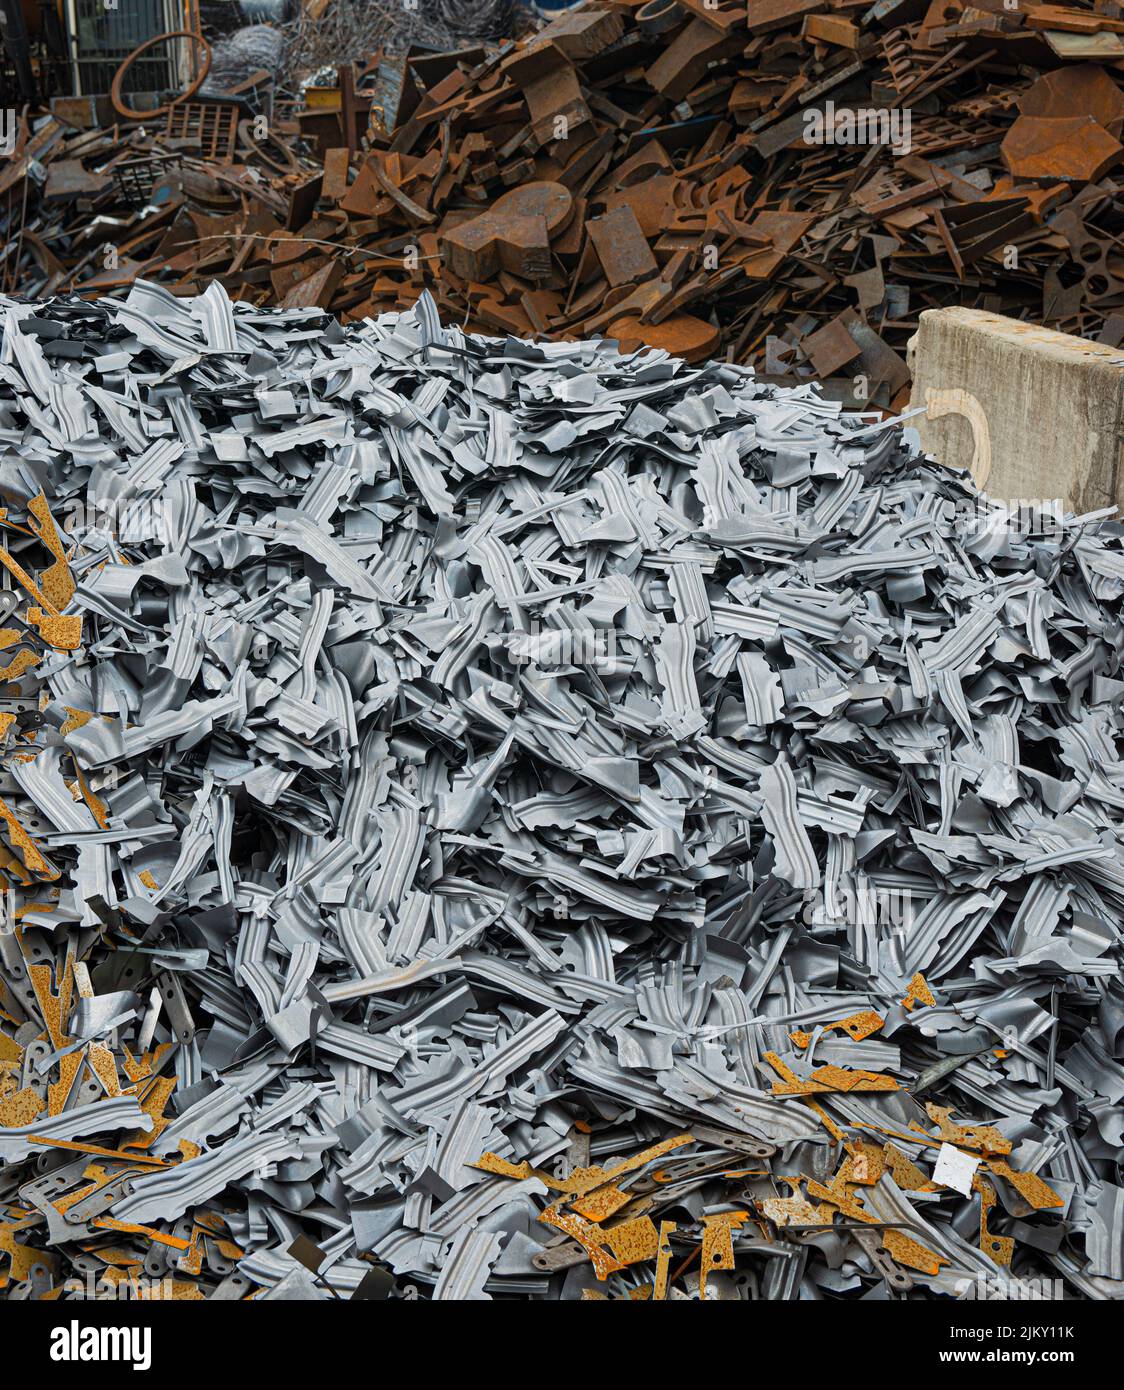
(787, 184)
(324, 31)
(451, 855)
(88, 208)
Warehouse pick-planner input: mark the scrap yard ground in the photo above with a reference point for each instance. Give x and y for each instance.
(544, 755)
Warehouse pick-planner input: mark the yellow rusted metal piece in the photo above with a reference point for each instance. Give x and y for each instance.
(99, 1176)
(192, 1261)
(582, 1180)
(22, 1258)
(897, 1244)
(602, 1203)
(54, 1008)
(911, 1253)
(98, 809)
(322, 98)
(56, 582)
(918, 993)
(905, 1173)
(58, 1092)
(12, 868)
(502, 1168)
(856, 1026)
(718, 1243)
(21, 663)
(103, 1065)
(864, 1164)
(628, 1243)
(587, 1235)
(832, 1078)
(153, 1102)
(63, 631)
(34, 861)
(21, 1108)
(1029, 1186)
(984, 1139)
(78, 718)
(632, 1241)
(785, 1072)
(663, 1260)
(24, 580)
(596, 1198)
(214, 1226)
(792, 1211)
(49, 596)
(854, 1079)
(1001, 1249)
(137, 1068)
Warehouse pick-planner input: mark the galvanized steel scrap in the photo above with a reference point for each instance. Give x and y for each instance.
(496, 819)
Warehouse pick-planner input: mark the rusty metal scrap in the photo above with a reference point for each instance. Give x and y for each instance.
(493, 819)
(202, 66)
(783, 185)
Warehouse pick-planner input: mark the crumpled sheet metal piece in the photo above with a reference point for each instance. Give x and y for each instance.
(532, 817)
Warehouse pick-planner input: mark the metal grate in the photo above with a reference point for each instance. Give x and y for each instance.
(213, 124)
(136, 178)
(103, 38)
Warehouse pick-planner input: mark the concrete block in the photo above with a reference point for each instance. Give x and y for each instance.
(1035, 414)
